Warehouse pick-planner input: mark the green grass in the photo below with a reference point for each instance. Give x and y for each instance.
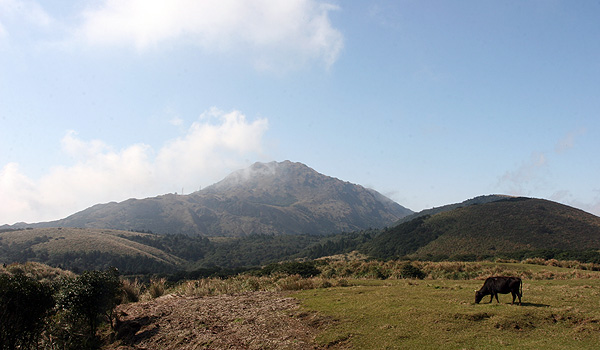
(441, 314)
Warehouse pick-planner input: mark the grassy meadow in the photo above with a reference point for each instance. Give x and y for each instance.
(441, 314)
(367, 304)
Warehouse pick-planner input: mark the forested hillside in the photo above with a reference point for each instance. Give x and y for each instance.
(504, 227)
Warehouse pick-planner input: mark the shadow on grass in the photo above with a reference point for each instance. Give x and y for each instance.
(516, 304)
(535, 305)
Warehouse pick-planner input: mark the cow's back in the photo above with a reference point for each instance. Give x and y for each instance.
(502, 284)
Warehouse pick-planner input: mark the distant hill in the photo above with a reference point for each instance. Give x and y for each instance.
(448, 207)
(266, 198)
(490, 229)
(80, 249)
(509, 227)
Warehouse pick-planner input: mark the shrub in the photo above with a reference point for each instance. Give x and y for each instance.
(303, 269)
(408, 270)
(88, 300)
(24, 305)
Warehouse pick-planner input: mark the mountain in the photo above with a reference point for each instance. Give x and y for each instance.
(512, 227)
(509, 225)
(448, 207)
(266, 198)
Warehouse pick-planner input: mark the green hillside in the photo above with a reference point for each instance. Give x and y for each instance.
(506, 226)
(473, 201)
(80, 249)
(143, 253)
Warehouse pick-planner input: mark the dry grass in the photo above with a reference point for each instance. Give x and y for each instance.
(571, 264)
(132, 290)
(246, 283)
(253, 320)
(455, 270)
(38, 271)
(63, 240)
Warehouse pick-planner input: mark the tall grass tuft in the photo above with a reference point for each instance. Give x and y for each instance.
(157, 288)
(132, 291)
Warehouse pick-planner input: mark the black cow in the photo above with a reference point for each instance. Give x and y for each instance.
(500, 284)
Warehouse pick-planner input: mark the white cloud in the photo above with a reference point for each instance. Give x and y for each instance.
(272, 33)
(176, 121)
(213, 146)
(19, 193)
(566, 143)
(526, 177)
(216, 142)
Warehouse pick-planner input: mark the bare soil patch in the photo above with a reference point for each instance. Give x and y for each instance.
(254, 320)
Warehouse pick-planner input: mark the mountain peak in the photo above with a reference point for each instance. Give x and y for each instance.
(266, 176)
(265, 198)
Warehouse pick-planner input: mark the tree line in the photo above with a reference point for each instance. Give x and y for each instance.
(205, 257)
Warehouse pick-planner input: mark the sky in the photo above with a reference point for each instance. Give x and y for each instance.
(427, 102)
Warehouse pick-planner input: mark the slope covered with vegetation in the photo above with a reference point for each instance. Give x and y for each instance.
(506, 226)
(145, 253)
(511, 228)
(85, 249)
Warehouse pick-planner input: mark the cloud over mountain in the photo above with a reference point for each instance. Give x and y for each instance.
(211, 147)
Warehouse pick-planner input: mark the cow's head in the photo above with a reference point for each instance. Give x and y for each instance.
(478, 296)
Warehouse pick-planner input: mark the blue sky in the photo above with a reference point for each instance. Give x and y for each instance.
(427, 102)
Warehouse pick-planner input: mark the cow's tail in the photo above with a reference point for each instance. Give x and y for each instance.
(521, 287)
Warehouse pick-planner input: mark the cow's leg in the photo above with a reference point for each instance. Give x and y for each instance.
(496, 295)
(514, 296)
(491, 297)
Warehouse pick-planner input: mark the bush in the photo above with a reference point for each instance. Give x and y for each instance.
(24, 305)
(303, 269)
(408, 270)
(85, 302)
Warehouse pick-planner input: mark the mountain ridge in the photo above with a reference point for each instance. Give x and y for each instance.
(472, 201)
(513, 228)
(266, 198)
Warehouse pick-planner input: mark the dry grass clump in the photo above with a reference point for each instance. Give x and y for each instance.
(38, 271)
(157, 288)
(451, 270)
(458, 270)
(217, 286)
(569, 264)
(132, 290)
(247, 283)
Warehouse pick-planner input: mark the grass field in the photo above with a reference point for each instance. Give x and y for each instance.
(441, 314)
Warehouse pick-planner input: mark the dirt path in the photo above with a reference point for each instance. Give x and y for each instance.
(258, 320)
